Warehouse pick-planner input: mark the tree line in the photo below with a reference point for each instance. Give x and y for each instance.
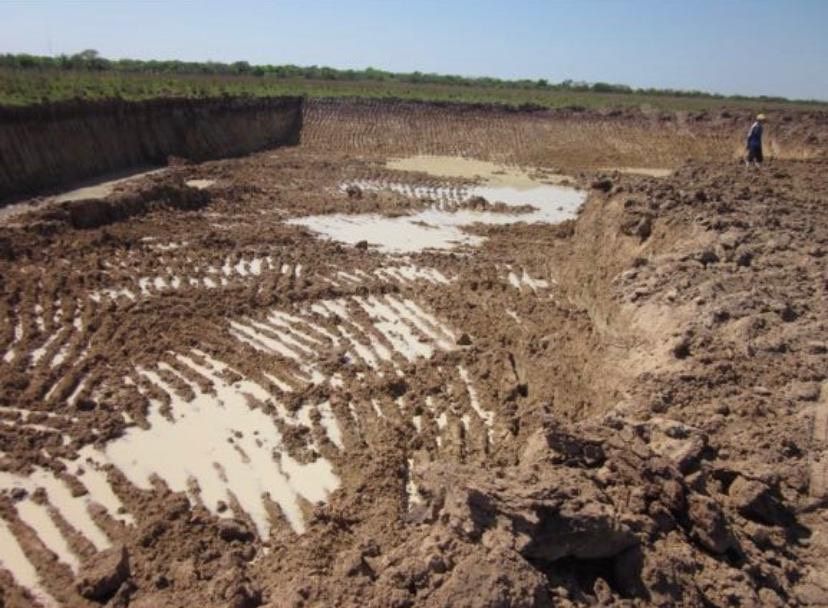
(91, 61)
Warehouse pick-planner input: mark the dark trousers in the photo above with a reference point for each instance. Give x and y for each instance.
(755, 154)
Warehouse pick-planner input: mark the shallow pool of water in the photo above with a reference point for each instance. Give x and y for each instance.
(442, 229)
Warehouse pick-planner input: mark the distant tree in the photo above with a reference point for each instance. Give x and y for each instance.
(375, 74)
(602, 87)
(328, 73)
(241, 67)
(89, 59)
(87, 55)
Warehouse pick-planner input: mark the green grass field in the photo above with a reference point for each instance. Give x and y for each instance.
(19, 87)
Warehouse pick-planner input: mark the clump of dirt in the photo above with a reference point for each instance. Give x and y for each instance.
(94, 213)
(588, 513)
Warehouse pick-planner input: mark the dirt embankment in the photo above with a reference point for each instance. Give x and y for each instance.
(53, 145)
(568, 139)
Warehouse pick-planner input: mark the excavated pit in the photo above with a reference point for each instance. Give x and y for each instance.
(596, 386)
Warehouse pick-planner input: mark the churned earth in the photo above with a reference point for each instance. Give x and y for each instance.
(431, 356)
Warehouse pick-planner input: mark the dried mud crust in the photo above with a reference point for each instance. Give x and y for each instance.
(628, 408)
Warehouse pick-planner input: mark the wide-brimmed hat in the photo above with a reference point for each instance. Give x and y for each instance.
(761, 117)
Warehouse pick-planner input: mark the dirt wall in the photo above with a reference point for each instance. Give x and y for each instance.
(570, 140)
(46, 146)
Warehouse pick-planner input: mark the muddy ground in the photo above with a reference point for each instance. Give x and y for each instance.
(628, 408)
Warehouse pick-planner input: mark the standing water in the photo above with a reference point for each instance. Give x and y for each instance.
(439, 228)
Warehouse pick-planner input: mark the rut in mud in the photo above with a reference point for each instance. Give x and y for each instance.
(203, 400)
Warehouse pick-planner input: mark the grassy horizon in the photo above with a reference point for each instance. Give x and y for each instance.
(23, 87)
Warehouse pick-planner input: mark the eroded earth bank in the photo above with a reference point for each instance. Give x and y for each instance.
(203, 401)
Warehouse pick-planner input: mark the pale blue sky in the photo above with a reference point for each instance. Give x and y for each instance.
(771, 47)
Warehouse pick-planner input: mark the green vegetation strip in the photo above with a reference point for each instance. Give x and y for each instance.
(28, 79)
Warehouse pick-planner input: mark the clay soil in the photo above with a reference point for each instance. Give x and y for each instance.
(643, 421)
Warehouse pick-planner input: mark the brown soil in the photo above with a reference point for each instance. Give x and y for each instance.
(659, 410)
(54, 145)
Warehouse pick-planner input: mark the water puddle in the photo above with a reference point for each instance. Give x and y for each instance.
(14, 559)
(374, 330)
(648, 171)
(37, 517)
(330, 424)
(471, 168)
(101, 188)
(485, 415)
(200, 184)
(411, 489)
(410, 274)
(526, 280)
(61, 499)
(235, 453)
(442, 225)
(96, 188)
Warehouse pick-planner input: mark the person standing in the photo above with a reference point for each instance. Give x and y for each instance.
(754, 142)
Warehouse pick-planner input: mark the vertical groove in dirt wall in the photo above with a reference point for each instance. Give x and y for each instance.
(51, 145)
